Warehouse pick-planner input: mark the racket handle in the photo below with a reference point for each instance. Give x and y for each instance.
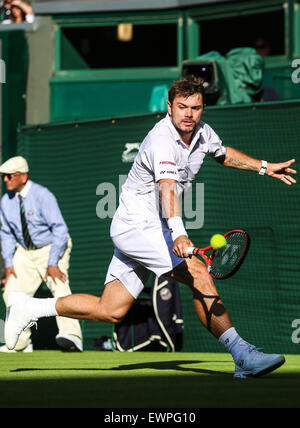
(191, 250)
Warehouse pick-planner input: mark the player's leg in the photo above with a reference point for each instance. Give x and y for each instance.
(111, 307)
(23, 310)
(208, 304)
(213, 315)
(124, 281)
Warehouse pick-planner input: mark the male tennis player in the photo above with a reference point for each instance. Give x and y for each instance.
(150, 236)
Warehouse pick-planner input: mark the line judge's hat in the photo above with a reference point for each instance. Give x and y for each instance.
(15, 164)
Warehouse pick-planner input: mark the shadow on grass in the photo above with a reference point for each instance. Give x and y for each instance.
(162, 384)
(141, 390)
(152, 384)
(160, 365)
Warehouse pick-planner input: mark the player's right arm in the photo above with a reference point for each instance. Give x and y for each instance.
(172, 212)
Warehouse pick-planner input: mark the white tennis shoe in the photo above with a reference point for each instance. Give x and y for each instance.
(254, 363)
(4, 349)
(18, 318)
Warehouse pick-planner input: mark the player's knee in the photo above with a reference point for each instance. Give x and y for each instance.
(115, 318)
(111, 315)
(191, 271)
(196, 268)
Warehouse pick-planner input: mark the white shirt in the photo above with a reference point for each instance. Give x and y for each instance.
(25, 190)
(164, 155)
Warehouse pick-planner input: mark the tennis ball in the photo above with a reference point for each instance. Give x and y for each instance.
(218, 241)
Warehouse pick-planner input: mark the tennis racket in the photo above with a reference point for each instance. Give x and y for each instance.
(226, 261)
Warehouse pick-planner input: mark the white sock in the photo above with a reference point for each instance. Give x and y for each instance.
(233, 343)
(40, 308)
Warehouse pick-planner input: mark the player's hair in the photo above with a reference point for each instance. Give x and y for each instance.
(186, 87)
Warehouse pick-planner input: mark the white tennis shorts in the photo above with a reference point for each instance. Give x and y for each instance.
(140, 248)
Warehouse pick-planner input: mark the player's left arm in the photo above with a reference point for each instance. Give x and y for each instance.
(236, 159)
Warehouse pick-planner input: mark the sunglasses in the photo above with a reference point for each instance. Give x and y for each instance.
(10, 176)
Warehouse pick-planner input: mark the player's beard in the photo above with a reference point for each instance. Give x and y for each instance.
(185, 130)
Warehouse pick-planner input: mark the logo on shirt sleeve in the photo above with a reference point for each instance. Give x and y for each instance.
(167, 163)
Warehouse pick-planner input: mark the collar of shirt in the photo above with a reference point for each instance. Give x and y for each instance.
(25, 190)
(197, 134)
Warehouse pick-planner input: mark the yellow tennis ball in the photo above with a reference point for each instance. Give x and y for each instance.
(218, 241)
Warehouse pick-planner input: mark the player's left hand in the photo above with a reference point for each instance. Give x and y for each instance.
(281, 171)
(55, 273)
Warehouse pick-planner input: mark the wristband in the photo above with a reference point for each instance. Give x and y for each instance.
(176, 226)
(263, 169)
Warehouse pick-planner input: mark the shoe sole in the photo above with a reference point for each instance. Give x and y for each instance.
(8, 351)
(262, 372)
(67, 345)
(270, 369)
(10, 346)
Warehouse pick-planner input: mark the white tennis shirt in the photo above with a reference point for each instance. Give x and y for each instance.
(163, 154)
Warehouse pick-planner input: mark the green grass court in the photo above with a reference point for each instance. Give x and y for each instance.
(141, 380)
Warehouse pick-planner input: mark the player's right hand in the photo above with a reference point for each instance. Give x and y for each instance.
(180, 246)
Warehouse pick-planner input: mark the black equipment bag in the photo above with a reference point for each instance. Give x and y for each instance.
(154, 322)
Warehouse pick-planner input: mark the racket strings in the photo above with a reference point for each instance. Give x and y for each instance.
(227, 259)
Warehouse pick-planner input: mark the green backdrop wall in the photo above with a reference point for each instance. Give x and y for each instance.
(14, 52)
(75, 160)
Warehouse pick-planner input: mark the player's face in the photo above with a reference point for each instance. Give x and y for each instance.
(15, 182)
(186, 113)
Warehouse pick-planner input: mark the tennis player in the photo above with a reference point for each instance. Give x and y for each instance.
(149, 235)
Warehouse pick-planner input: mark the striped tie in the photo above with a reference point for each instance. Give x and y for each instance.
(28, 242)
